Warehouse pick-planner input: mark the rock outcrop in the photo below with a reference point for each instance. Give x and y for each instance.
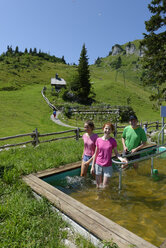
(117, 49)
(130, 49)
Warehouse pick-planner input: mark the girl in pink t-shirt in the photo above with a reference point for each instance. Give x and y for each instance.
(102, 159)
(89, 146)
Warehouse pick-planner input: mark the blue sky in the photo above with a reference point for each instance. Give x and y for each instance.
(61, 27)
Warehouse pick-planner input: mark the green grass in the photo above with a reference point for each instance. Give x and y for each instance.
(116, 93)
(26, 222)
(24, 110)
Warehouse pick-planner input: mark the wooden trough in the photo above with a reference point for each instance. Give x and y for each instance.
(95, 223)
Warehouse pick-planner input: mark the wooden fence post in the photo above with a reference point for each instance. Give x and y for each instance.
(115, 132)
(157, 125)
(36, 137)
(77, 131)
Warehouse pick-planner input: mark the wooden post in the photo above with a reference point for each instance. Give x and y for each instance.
(77, 131)
(157, 125)
(115, 132)
(36, 139)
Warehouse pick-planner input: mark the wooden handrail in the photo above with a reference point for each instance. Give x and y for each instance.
(35, 135)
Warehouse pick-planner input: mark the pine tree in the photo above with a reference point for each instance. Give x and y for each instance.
(26, 51)
(98, 61)
(30, 51)
(16, 50)
(63, 60)
(154, 60)
(84, 77)
(9, 50)
(34, 52)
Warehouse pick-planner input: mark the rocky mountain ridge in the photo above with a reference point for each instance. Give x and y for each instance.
(129, 49)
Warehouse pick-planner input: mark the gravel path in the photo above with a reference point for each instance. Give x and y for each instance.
(57, 121)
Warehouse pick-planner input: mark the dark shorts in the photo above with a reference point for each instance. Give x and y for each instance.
(131, 157)
(86, 158)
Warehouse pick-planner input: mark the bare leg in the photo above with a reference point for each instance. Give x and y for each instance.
(98, 180)
(105, 181)
(84, 169)
(135, 165)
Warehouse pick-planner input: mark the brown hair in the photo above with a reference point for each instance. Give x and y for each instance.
(111, 126)
(90, 124)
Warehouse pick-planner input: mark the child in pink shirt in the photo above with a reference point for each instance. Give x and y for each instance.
(102, 159)
(89, 146)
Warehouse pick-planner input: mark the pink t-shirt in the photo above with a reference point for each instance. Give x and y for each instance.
(104, 153)
(89, 144)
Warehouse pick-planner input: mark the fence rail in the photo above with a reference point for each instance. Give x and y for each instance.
(37, 137)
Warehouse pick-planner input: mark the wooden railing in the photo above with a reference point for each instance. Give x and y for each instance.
(37, 138)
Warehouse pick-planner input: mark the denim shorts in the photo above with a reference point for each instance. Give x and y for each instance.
(106, 171)
(86, 158)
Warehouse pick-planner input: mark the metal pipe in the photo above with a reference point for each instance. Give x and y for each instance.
(120, 179)
(151, 165)
(162, 130)
(139, 159)
(162, 137)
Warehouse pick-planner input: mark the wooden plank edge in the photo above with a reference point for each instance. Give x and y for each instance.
(61, 168)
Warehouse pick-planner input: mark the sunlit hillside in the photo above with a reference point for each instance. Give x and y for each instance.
(23, 76)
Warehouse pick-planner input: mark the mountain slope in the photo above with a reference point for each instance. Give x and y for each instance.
(23, 77)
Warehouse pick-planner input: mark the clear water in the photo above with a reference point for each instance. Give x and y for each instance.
(139, 207)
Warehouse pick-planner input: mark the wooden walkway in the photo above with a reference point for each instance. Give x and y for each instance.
(95, 223)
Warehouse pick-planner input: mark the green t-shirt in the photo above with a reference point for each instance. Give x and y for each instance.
(133, 137)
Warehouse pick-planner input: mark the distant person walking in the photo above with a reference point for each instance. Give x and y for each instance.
(89, 139)
(54, 113)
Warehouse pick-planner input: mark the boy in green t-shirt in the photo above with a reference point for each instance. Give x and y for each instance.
(133, 139)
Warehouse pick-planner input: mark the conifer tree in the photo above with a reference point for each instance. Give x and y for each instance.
(26, 51)
(84, 77)
(63, 60)
(154, 60)
(9, 50)
(34, 52)
(16, 50)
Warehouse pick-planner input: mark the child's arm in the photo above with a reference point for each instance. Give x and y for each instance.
(118, 156)
(124, 146)
(88, 162)
(93, 162)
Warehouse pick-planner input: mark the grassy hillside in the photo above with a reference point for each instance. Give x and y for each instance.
(18, 71)
(22, 106)
(118, 92)
(23, 76)
(123, 86)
